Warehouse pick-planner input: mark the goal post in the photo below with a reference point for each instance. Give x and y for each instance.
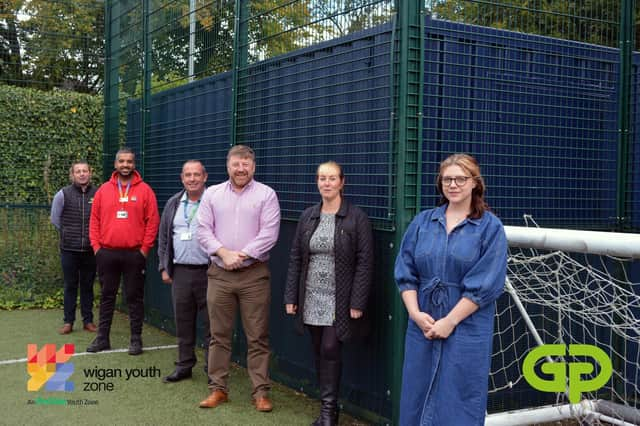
(568, 287)
(570, 240)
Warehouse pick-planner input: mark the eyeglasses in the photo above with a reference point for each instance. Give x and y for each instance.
(459, 180)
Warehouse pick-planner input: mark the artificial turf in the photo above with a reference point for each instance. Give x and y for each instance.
(116, 400)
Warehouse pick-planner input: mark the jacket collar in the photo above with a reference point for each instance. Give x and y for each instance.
(342, 211)
(179, 196)
(79, 188)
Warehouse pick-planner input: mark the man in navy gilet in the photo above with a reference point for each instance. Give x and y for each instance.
(70, 212)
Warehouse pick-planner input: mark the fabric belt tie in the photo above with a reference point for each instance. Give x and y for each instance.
(436, 291)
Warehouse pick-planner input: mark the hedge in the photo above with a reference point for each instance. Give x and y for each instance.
(41, 134)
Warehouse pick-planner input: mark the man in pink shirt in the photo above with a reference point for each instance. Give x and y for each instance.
(238, 223)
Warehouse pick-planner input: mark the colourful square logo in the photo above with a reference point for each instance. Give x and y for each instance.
(50, 368)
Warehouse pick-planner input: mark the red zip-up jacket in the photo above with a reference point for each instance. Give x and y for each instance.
(140, 227)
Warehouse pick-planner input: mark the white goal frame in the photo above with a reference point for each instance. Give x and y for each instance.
(618, 245)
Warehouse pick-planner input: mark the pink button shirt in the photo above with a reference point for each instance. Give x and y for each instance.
(246, 221)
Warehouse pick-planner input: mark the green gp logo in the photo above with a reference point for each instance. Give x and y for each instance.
(558, 370)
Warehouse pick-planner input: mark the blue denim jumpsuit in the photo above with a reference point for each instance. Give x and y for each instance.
(445, 381)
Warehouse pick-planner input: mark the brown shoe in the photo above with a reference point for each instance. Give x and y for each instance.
(216, 398)
(91, 327)
(263, 403)
(66, 329)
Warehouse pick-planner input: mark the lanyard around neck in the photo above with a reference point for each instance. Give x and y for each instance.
(126, 192)
(189, 217)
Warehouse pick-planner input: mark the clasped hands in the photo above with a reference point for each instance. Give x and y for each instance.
(432, 329)
(231, 259)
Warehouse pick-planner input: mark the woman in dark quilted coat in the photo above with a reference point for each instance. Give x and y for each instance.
(329, 278)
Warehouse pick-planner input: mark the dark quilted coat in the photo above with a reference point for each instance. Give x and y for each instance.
(353, 266)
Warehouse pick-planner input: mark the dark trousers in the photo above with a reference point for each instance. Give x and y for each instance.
(325, 343)
(189, 292)
(79, 269)
(327, 350)
(130, 265)
(248, 289)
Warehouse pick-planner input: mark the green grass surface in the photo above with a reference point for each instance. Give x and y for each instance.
(139, 400)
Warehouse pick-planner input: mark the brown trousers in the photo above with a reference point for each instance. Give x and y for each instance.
(250, 290)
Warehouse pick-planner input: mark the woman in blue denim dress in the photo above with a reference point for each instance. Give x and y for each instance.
(450, 269)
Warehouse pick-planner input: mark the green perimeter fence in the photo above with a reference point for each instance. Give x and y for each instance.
(542, 92)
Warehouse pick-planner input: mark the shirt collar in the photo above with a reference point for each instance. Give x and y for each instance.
(248, 186)
(439, 213)
(185, 196)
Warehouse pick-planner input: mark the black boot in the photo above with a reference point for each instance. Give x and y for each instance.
(135, 345)
(329, 387)
(100, 343)
(316, 422)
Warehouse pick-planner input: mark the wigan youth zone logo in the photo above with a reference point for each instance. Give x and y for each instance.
(49, 367)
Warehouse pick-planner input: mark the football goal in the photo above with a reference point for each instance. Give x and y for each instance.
(573, 289)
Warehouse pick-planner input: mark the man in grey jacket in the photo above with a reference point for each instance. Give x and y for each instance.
(183, 265)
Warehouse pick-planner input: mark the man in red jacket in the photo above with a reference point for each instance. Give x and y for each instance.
(123, 227)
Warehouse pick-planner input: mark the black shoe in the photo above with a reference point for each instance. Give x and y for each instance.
(177, 375)
(99, 345)
(135, 347)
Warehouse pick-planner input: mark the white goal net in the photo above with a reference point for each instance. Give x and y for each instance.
(568, 287)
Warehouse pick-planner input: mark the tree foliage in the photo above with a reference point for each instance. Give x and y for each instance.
(169, 32)
(52, 43)
(590, 21)
(273, 28)
(344, 17)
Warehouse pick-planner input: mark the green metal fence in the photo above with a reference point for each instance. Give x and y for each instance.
(376, 126)
(267, 55)
(155, 47)
(183, 41)
(595, 22)
(29, 266)
(605, 24)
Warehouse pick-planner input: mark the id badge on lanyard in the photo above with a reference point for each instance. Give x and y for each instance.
(187, 236)
(123, 198)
